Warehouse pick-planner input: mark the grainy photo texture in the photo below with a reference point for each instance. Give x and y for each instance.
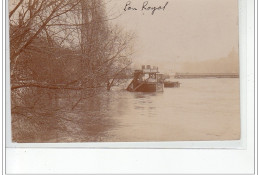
(124, 71)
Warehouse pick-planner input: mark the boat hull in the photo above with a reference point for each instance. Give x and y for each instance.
(150, 87)
(147, 88)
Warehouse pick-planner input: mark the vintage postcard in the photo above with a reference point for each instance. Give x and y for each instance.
(124, 70)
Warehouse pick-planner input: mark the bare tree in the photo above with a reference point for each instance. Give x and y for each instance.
(65, 45)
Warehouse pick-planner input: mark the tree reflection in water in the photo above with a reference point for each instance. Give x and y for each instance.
(53, 120)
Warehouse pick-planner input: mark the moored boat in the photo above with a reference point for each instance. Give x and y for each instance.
(171, 84)
(147, 79)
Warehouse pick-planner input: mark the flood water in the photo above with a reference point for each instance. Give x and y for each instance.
(201, 109)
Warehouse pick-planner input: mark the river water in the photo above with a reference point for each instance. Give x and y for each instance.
(201, 109)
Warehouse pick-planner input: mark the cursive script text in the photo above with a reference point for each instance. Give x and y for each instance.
(145, 7)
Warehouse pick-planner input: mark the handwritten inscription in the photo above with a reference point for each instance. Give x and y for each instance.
(145, 7)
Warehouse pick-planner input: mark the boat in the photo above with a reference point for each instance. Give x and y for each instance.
(148, 79)
(171, 84)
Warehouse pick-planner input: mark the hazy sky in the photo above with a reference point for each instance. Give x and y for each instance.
(186, 30)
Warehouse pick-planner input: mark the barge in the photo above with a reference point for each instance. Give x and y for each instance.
(172, 84)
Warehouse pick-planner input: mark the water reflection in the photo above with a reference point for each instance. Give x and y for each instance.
(187, 113)
(89, 121)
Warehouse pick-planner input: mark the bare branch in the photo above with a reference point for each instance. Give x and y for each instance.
(16, 7)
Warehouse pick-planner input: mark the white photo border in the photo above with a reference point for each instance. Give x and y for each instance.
(87, 159)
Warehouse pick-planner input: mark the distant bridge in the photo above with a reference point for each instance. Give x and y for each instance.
(206, 75)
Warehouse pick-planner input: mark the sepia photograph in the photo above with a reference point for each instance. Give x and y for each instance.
(124, 70)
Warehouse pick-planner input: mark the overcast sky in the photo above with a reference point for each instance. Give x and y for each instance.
(187, 30)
